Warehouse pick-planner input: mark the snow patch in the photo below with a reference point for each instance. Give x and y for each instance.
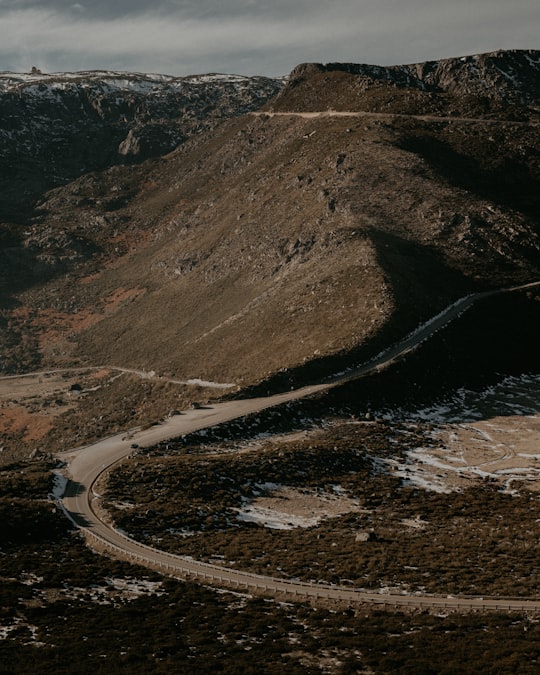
(477, 435)
(44, 84)
(18, 622)
(115, 589)
(216, 77)
(284, 508)
(273, 519)
(212, 385)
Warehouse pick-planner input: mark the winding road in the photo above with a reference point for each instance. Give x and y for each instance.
(87, 464)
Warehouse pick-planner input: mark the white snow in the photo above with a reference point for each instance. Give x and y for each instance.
(207, 383)
(115, 588)
(216, 77)
(477, 435)
(273, 519)
(284, 508)
(30, 579)
(141, 83)
(415, 475)
(267, 487)
(18, 622)
(512, 393)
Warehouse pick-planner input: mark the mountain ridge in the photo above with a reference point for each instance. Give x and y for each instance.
(272, 245)
(483, 83)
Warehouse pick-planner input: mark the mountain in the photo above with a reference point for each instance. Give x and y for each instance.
(266, 250)
(499, 84)
(56, 127)
(274, 248)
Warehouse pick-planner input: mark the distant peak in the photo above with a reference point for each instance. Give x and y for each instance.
(502, 74)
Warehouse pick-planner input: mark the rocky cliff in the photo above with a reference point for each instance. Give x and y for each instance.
(56, 127)
(503, 82)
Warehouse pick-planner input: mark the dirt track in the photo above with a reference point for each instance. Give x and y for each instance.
(389, 116)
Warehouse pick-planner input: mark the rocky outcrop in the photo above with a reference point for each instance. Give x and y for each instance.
(498, 78)
(512, 76)
(56, 127)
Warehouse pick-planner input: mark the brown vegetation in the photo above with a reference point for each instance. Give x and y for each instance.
(478, 541)
(66, 609)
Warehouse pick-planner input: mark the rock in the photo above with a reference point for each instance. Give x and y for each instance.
(365, 536)
(149, 141)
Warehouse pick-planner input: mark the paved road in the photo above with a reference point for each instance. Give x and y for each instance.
(86, 464)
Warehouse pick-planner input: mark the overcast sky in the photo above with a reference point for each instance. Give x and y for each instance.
(266, 37)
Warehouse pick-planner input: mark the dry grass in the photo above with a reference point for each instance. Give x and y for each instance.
(45, 412)
(314, 238)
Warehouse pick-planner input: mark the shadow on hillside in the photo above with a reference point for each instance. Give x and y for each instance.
(19, 266)
(421, 284)
(19, 350)
(25, 264)
(510, 184)
(496, 338)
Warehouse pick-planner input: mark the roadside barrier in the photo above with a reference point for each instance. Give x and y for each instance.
(178, 566)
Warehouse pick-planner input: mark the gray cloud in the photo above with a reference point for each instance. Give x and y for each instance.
(187, 9)
(251, 36)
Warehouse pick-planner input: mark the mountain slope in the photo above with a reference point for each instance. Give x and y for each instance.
(278, 244)
(57, 127)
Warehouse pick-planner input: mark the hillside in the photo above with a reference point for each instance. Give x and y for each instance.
(55, 127)
(273, 244)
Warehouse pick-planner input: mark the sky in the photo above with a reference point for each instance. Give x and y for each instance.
(254, 37)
